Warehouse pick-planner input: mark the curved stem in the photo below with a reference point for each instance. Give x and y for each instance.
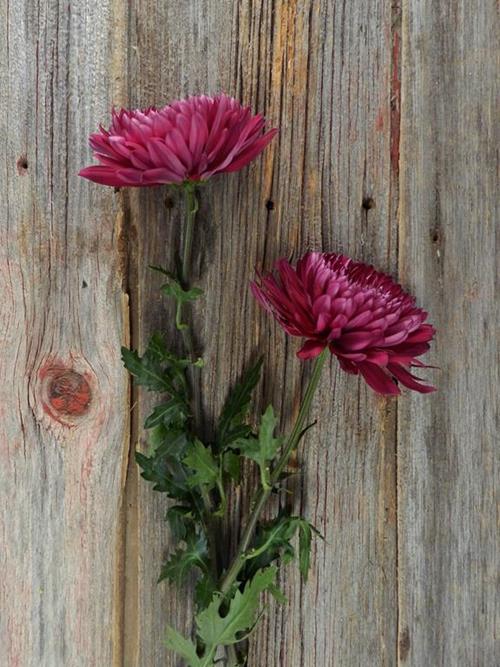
(261, 496)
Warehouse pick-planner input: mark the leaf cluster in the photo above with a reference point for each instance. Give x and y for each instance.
(224, 622)
(175, 462)
(190, 471)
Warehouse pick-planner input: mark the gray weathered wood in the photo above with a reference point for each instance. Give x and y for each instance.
(386, 151)
(448, 445)
(62, 309)
(321, 72)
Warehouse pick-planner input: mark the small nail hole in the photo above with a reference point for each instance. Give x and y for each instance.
(84, 284)
(435, 235)
(270, 205)
(169, 203)
(22, 165)
(368, 203)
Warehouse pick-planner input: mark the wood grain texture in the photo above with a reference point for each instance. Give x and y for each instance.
(448, 446)
(322, 72)
(386, 151)
(62, 311)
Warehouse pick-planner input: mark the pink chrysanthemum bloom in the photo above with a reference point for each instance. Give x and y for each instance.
(187, 140)
(365, 318)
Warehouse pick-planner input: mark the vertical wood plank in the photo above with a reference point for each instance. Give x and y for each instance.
(448, 443)
(322, 71)
(63, 393)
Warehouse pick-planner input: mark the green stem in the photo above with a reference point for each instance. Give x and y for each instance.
(261, 496)
(192, 207)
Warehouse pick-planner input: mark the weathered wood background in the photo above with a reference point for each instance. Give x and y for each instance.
(388, 116)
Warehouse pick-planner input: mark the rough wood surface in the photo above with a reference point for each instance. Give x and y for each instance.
(386, 152)
(323, 74)
(448, 447)
(63, 395)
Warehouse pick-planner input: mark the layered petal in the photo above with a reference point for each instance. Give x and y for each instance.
(367, 320)
(187, 140)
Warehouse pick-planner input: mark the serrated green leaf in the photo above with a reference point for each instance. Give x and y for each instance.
(146, 372)
(156, 470)
(181, 521)
(203, 464)
(232, 420)
(184, 647)
(163, 467)
(158, 369)
(273, 538)
(263, 449)
(171, 412)
(305, 538)
(156, 349)
(183, 560)
(278, 595)
(215, 630)
(232, 465)
(168, 441)
(273, 541)
(204, 591)
(268, 445)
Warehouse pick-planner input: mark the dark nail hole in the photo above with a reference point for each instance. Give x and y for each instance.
(368, 203)
(270, 205)
(22, 165)
(169, 202)
(116, 189)
(436, 237)
(84, 284)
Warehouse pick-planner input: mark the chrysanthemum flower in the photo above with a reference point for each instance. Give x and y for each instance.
(365, 318)
(187, 140)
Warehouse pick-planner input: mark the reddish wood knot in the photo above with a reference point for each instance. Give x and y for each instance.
(69, 393)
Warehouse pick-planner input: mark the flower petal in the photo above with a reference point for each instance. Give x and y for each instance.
(378, 379)
(409, 380)
(102, 175)
(311, 349)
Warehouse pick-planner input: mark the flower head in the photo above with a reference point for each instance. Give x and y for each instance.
(365, 318)
(187, 140)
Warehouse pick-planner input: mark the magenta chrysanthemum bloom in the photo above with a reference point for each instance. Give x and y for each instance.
(187, 140)
(365, 318)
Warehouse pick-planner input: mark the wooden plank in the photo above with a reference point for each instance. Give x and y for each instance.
(447, 453)
(321, 71)
(63, 393)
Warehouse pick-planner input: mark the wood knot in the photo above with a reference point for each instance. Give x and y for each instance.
(64, 393)
(69, 393)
